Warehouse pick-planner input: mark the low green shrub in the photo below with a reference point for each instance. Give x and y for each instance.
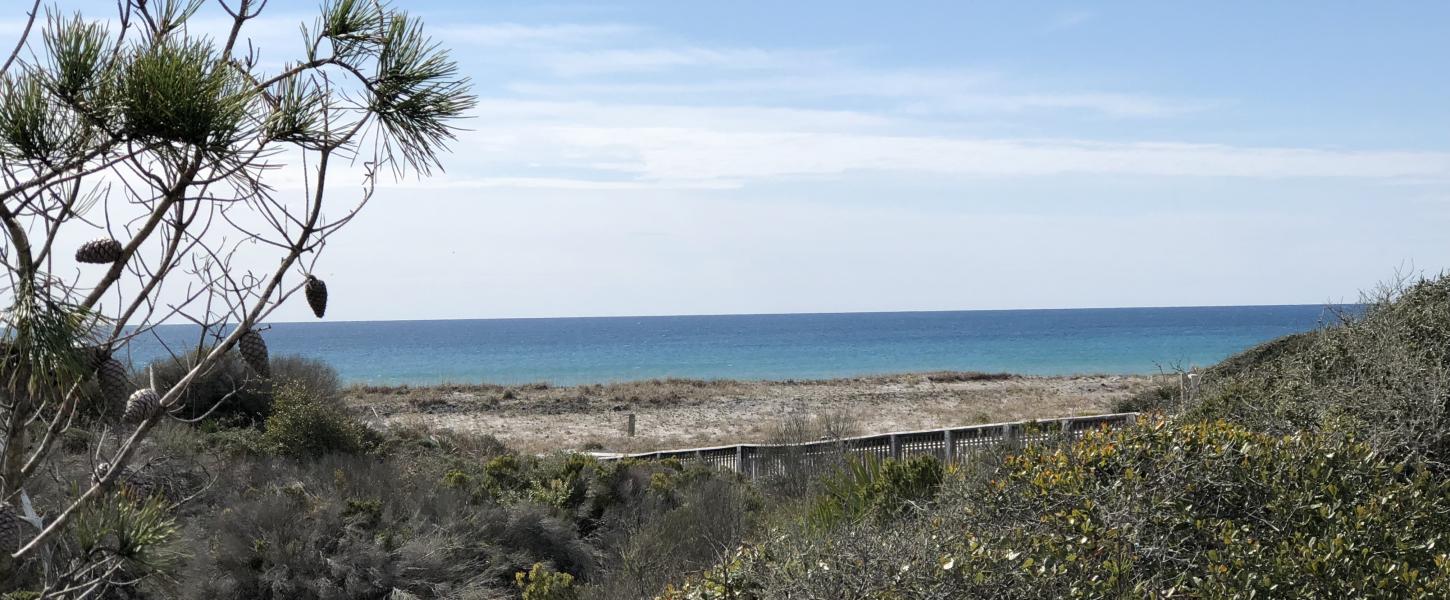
(345, 526)
(1382, 375)
(244, 396)
(687, 524)
(1157, 398)
(542, 583)
(1196, 510)
(1208, 510)
(304, 426)
(874, 489)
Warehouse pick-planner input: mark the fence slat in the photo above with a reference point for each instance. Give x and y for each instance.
(948, 444)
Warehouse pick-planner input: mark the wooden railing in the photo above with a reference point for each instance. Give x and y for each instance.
(952, 444)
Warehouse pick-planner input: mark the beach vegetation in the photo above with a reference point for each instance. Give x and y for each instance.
(1310, 466)
(139, 155)
(1266, 478)
(303, 425)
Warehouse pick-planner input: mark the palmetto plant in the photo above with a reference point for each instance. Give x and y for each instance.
(148, 150)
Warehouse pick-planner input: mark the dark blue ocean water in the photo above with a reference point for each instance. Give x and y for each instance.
(579, 350)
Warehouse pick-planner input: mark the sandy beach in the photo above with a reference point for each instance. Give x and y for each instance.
(692, 413)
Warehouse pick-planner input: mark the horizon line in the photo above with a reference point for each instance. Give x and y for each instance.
(1325, 305)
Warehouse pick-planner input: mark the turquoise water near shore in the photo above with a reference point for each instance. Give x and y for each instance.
(796, 346)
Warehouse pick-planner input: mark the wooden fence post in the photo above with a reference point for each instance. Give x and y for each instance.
(810, 455)
(629, 428)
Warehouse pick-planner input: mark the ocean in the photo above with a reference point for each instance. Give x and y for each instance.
(795, 346)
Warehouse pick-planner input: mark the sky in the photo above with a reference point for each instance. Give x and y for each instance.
(643, 158)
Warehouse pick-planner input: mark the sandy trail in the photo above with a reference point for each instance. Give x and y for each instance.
(690, 413)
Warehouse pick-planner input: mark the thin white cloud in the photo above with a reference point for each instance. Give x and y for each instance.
(803, 84)
(508, 112)
(637, 60)
(1108, 104)
(950, 93)
(677, 146)
(517, 34)
(622, 61)
(693, 154)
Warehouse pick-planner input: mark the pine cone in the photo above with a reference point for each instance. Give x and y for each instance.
(254, 351)
(99, 252)
(111, 376)
(93, 355)
(134, 484)
(316, 295)
(142, 405)
(9, 528)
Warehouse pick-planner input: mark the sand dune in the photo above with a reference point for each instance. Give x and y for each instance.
(691, 413)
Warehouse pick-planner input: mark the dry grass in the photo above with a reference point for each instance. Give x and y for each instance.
(681, 413)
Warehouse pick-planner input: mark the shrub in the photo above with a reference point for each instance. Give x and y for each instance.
(423, 442)
(685, 524)
(793, 469)
(356, 527)
(134, 536)
(1209, 510)
(236, 442)
(317, 378)
(1155, 398)
(542, 583)
(874, 489)
(1194, 510)
(965, 376)
(1383, 375)
(303, 426)
(245, 396)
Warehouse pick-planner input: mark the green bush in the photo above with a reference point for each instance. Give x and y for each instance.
(871, 488)
(542, 583)
(304, 426)
(1208, 510)
(245, 397)
(1151, 399)
(688, 524)
(317, 378)
(1383, 376)
(1196, 510)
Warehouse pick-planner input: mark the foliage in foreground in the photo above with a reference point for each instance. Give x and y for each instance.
(1311, 466)
(156, 142)
(872, 489)
(441, 515)
(1383, 375)
(1193, 510)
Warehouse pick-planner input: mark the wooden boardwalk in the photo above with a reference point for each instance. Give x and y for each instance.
(951, 444)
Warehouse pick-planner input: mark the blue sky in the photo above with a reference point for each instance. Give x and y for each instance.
(731, 157)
